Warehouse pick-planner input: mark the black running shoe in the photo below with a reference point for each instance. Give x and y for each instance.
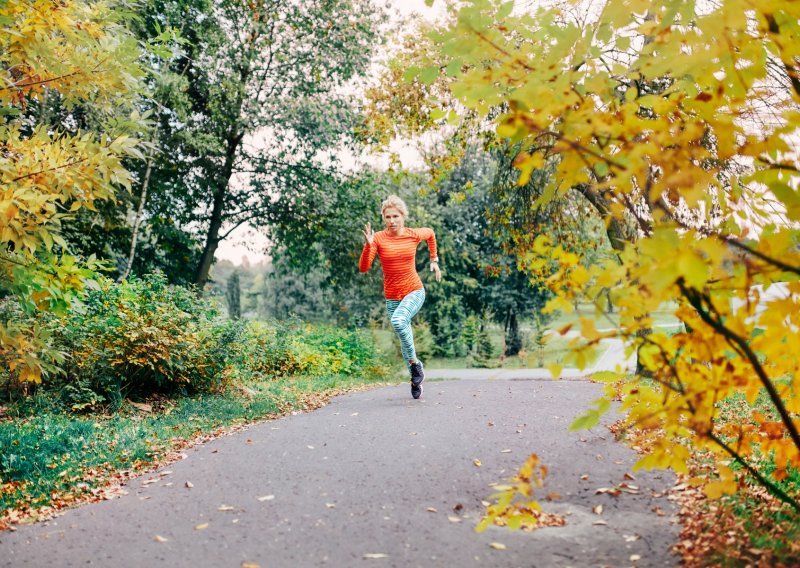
(417, 376)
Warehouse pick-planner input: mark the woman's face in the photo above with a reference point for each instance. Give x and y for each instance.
(393, 220)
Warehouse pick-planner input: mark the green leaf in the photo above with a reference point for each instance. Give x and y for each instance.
(505, 10)
(587, 420)
(454, 68)
(411, 73)
(428, 75)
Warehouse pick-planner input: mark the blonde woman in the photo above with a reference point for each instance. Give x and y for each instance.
(396, 246)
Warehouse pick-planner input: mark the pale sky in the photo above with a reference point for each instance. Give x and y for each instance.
(247, 242)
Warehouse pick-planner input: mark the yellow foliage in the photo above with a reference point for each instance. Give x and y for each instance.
(670, 133)
(78, 50)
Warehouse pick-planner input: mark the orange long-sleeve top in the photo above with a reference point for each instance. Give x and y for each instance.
(397, 254)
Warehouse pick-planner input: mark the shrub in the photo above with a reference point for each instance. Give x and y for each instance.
(141, 337)
(277, 349)
(144, 337)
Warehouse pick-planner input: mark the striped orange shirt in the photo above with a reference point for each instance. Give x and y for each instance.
(397, 256)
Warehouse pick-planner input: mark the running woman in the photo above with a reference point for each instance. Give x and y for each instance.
(396, 246)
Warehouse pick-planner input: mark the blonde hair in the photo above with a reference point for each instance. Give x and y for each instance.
(397, 203)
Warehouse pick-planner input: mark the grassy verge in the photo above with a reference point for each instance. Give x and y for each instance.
(748, 528)
(52, 460)
(555, 351)
(662, 317)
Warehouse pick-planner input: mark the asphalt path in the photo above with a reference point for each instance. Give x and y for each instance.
(377, 479)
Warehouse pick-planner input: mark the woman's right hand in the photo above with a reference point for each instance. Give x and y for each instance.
(369, 234)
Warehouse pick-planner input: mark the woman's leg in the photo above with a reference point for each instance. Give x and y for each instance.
(400, 314)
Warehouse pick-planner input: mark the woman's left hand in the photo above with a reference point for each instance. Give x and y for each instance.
(436, 271)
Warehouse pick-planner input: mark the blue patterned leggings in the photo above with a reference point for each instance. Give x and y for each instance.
(400, 314)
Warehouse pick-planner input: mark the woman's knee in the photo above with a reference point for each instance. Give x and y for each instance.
(398, 322)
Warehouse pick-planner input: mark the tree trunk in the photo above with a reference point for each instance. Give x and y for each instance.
(513, 338)
(138, 220)
(614, 229)
(234, 296)
(217, 213)
(212, 241)
(618, 237)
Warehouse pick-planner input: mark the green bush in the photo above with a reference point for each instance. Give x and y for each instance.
(277, 349)
(143, 337)
(140, 337)
(475, 336)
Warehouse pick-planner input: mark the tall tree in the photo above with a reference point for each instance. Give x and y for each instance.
(267, 108)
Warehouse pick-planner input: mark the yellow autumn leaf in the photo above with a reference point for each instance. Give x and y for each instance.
(716, 489)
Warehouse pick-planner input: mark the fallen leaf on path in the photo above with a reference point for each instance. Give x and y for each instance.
(600, 522)
(266, 498)
(168, 472)
(310, 447)
(505, 451)
(631, 537)
(250, 565)
(225, 508)
(635, 557)
(491, 423)
(613, 491)
(149, 481)
(497, 545)
(629, 477)
(189, 484)
(201, 527)
(477, 462)
(584, 477)
(453, 519)
(431, 510)
(554, 496)
(457, 507)
(159, 538)
(373, 555)
(354, 414)
(330, 505)
(597, 509)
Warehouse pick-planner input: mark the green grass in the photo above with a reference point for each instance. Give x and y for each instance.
(554, 352)
(662, 317)
(46, 455)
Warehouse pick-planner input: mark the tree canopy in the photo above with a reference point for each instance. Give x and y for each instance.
(679, 117)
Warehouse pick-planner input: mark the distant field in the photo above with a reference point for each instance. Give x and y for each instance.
(555, 350)
(662, 317)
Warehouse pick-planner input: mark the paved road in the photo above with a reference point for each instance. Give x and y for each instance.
(356, 479)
